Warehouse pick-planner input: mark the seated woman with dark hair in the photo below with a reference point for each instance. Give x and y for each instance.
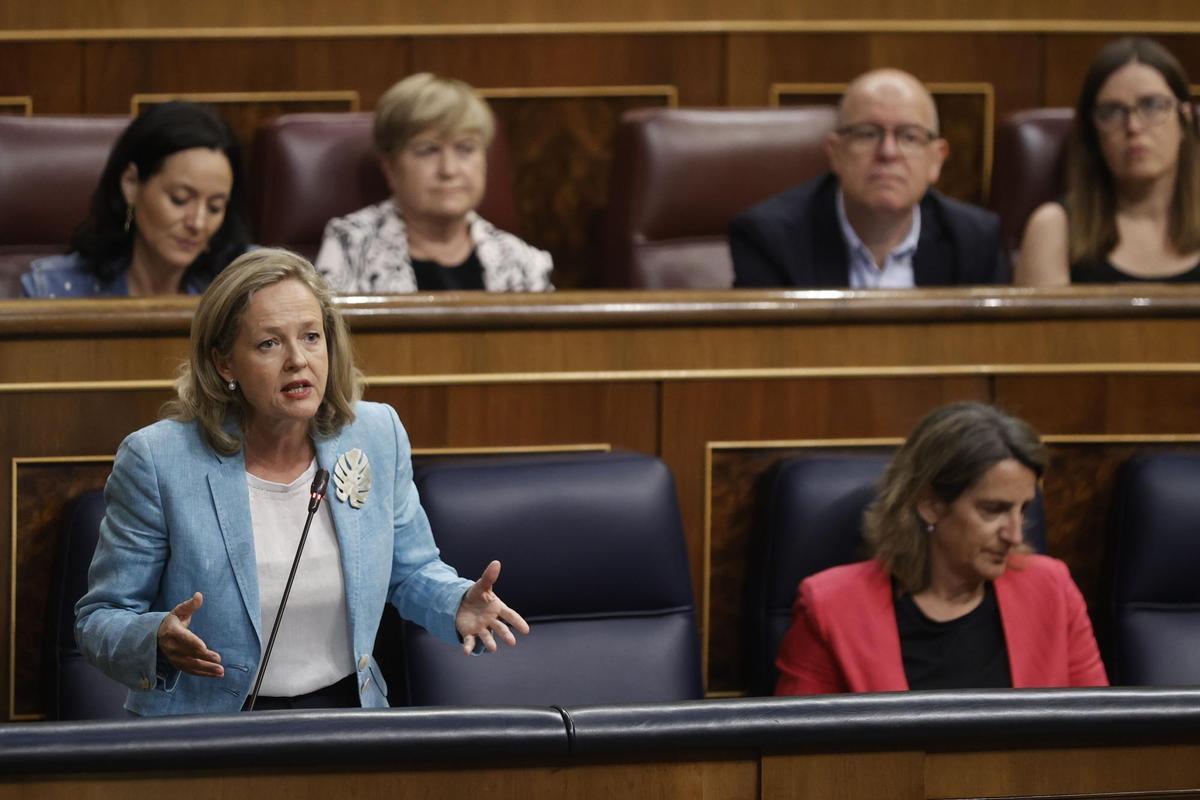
(432, 135)
(166, 217)
(1132, 208)
(951, 599)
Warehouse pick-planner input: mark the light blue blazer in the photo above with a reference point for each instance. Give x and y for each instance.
(178, 522)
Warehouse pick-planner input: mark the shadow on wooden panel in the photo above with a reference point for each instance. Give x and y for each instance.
(44, 493)
(562, 146)
(965, 111)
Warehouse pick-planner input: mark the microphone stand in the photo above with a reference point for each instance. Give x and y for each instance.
(316, 494)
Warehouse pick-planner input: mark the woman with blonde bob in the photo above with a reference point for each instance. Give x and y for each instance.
(432, 134)
(205, 510)
(1132, 206)
(951, 598)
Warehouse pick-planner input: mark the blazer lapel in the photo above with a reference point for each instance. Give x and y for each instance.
(231, 499)
(830, 258)
(933, 263)
(345, 524)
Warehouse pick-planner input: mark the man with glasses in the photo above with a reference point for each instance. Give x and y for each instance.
(874, 221)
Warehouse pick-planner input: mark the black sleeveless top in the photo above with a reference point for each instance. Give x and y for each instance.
(1105, 272)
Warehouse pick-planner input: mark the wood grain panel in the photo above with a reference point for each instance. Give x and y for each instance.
(845, 776)
(1059, 771)
(1133, 404)
(142, 14)
(49, 72)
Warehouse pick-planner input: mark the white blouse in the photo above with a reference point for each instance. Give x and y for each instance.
(313, 648)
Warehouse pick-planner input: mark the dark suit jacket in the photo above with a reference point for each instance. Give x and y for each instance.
(794, 239)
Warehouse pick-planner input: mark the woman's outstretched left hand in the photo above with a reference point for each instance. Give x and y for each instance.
(483, 616)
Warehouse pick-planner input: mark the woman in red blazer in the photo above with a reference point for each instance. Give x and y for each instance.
(951, 598)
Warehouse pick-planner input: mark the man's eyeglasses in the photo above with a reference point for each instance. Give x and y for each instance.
(1151, 109)
(867, 136)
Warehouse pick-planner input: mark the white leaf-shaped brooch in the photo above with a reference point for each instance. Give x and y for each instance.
(352, 477)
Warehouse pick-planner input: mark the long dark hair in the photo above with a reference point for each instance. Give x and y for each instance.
(1091, 190)
(162, 131)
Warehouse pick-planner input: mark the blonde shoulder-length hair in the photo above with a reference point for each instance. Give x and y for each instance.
(202, 394)
(948, 451)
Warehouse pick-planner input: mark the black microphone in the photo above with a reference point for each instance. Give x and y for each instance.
(315, 496)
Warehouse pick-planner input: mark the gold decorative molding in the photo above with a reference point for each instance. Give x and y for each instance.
(777, 91)
(671, 93)
(348, 96)
(22, 101)
(863, 26)
(673, 375)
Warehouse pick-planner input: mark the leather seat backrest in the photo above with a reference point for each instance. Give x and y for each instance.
(1156, 571)
(76, 689)
(1029, 166)
(593, 557)
(49, 167)
(680, 176)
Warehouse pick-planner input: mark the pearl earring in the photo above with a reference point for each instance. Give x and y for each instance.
(232, 385)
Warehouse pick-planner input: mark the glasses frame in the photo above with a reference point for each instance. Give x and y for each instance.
(1143, 108)
(866, 137)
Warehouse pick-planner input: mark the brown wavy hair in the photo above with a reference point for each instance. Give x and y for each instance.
(1091, 191)
(946, 453)
(201, 393)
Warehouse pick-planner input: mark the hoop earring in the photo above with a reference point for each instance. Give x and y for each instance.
(232, 385)
(128, 216)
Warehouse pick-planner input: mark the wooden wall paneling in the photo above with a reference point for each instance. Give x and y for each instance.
(697, 414)
(1063, 771)
(49, 73)
(1068, 57)
(311, 16)
(1114, 403)
(560, 100)
(845, 776)
(622, 415)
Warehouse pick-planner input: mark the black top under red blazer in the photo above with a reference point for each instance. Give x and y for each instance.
(794, 239)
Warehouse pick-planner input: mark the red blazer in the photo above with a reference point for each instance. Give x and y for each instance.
(843, 636)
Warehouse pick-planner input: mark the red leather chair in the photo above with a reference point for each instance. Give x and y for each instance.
(310, 168)
(1029, 166)
(49, 167)
(680, 176)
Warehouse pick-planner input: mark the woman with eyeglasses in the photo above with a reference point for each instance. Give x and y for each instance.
(1132, 206)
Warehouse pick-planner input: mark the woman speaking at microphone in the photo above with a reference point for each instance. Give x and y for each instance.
(205, 509)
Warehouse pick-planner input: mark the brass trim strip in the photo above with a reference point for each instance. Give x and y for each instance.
(777, 90)
(1069, 26)
(25, 101)
(671, 93)
(588, 447)
(350, 96)
(767, 373)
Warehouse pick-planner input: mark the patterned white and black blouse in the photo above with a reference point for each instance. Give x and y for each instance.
(366, 252)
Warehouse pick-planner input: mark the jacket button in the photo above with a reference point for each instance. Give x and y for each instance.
(364, 661)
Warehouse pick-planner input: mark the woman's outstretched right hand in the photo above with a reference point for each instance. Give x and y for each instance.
(184, 650)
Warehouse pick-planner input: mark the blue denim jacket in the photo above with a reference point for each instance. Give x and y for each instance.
(68, 276)
(178, 522)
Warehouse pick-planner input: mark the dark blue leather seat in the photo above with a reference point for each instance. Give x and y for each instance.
(76, 689)
(594, 559)
(809, 519)
(1156, 571)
